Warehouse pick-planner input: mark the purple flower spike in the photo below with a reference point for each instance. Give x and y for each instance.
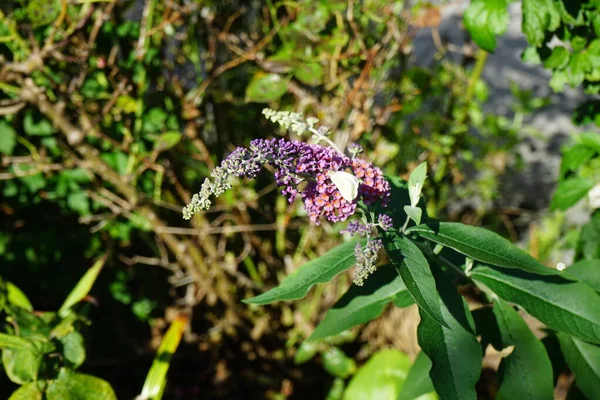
(296, 162)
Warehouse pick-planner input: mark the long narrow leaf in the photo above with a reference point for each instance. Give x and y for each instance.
(415, 272)
(528, 355)
(455, 353)
(83, 287)
(561, 304)
(584, 360)
(482, 245)
(323, 269)
(156, 378)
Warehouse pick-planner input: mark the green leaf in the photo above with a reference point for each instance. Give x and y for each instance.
(418, 382)
(482, 245)
(78, 201)
(14, 342)
(306, 352)
(167, 140)
(311, 74)
(321, 270)
(380, 378)
(22, 365)
(265, 88)
(558, 80)
(156, 378)
(75, 386)
(414, 213)
(484, 19)
(569, 192)
(579, 65)
(8, 138)
(589, 238)
(573, 157)
(586, 272)
(558, 59)
(416, 182)
(528, 359)
(73, 348)
(337, 363)
(29, 391)
(454, 352)
(17, 298)
(591, 140)
(584, 361)
(539, 16)
(415, 272)
(361, 304)
(40, 128)
(561, 304)
(82, 288)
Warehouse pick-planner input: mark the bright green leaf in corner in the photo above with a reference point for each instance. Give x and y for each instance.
(528, 355)
(380, 378)
(484, 19)
(264, 88)
(361, 304)
(7, 138)
(584, 361)
(321, 270)
(539, 16)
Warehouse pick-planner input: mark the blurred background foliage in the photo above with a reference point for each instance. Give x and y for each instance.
(115, 111)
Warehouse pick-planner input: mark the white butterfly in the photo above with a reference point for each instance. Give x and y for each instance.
(346, 183)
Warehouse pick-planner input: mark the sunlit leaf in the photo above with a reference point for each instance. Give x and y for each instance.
(320, 270)
(561, 304)
(156, 378)
(481, 245)
(83, 287)
(264, 88)
(380, 378)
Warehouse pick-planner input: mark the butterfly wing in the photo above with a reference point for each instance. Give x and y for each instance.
(346, 183)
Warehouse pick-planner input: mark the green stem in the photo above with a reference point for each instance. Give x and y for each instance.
(476, 74)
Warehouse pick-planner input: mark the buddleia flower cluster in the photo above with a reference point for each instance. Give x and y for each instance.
(307, 171)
